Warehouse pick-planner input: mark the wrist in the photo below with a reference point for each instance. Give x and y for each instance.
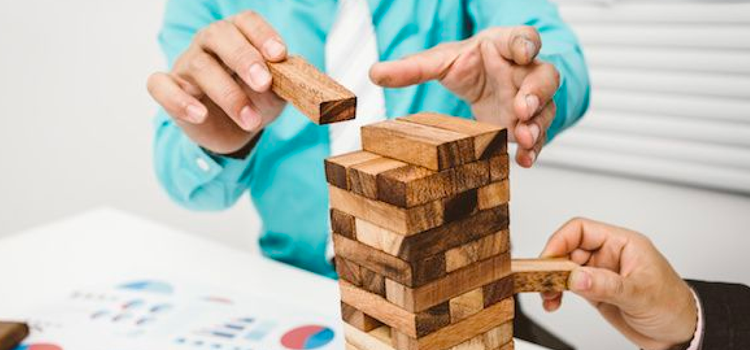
(241, 153)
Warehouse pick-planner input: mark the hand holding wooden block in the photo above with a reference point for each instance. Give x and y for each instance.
(315, 94)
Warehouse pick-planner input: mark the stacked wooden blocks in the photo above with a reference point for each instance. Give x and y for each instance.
(420, 230)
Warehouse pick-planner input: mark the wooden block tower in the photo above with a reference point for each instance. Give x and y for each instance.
(420, 230)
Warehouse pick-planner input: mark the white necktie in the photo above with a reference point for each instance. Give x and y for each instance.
(351, 49)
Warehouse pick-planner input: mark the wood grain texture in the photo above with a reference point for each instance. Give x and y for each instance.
(412, 274)
(470, 176)
(358, 319)
(413, 185)
(313, 93)
(373, 282)
(497, 338)
(11, 334)
(541, 275)
(497, 291)
(494, 194)
(454, 234)
(488, 139)
(378, 237)
(448, 287)
(400, 220)
(348, 271)
(499, 167)
(377, 339)
(343, 224)
(363, 177)
(425, 146)
(413, 324)
(337, 168)
(460, 332)
(478, 250)
(466, 305)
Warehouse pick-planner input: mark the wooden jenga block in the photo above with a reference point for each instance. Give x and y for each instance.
(337, 168)
(497, 291)
(373, 282)
(440, 239)
(470, 176)
(313, 93)
(363, 177)
(466, 304)
(460, 332)
(478, 250)
(404, 221)
(494, 194)
(540, 275)
(499, 167)
(412, 185)
(497, 338)
(343, 224)
(432, 148)
(358, 318)
(348, 271)
(452, 285)
(488, 139)
(413, 274)
(413, 324)
(11, 334)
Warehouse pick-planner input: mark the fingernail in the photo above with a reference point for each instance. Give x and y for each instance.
(259, 77)
(196, 113)
(535, 131)
(250, 120)
(532, 155)
(274, 49)
(580, 281)
(532, 104)
(530, 48)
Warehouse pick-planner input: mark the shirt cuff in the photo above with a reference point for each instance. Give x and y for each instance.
(201, 168)
(698, 336)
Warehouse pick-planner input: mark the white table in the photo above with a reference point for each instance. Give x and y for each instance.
(107, 246)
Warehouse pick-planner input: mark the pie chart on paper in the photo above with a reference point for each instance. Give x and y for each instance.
(307, 337)
(39, 347)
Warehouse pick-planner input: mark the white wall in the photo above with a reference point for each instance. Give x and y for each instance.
(75, 132)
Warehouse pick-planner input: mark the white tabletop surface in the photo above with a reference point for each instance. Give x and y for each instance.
(107, 247)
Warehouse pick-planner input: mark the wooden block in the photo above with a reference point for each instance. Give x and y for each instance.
(540, 275)
(412, 274)
(476, 343)
(412, 324)
(460, 205)
(313, 93)
(478, 250)
(448, 287)
(377, 339)
(363, 177)
(454, 234)
(488, 139)
(499, 336)
(432, 148)
(497, 291)
(373, 282)
(499, 168)
(348, 271)
(404, 221)
(337, 168)
(358, 318)
(457, 333)
(470, 176)
(11, 334)
(494, 194)
(378, 237)
(413, 185)
(343, 224)
(466, 305)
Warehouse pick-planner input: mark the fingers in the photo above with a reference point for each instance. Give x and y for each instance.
(261, 35)
(178, 103)
(432, 64)
(601, 285)
(225, 40)
(531, 136)
(221, 88)
(521, 45)
(577, 233)
(536, 87)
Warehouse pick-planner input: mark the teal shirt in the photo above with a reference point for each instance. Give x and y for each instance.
(284, 173)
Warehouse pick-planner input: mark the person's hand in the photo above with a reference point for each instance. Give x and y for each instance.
(625, 277)
(497, 73)
(219, 89)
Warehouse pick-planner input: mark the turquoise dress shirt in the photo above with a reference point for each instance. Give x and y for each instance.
(284, 173)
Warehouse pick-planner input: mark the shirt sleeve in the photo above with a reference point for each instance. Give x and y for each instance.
(560, 47)
(189, 175)
(695, 344)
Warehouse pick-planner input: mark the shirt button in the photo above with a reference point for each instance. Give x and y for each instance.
(202, 164)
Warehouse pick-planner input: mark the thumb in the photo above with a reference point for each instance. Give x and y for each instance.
(600, 285)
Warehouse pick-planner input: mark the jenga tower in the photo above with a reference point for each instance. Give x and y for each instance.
(420, 230)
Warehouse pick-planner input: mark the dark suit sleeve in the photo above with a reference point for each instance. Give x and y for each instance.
(726, 315)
